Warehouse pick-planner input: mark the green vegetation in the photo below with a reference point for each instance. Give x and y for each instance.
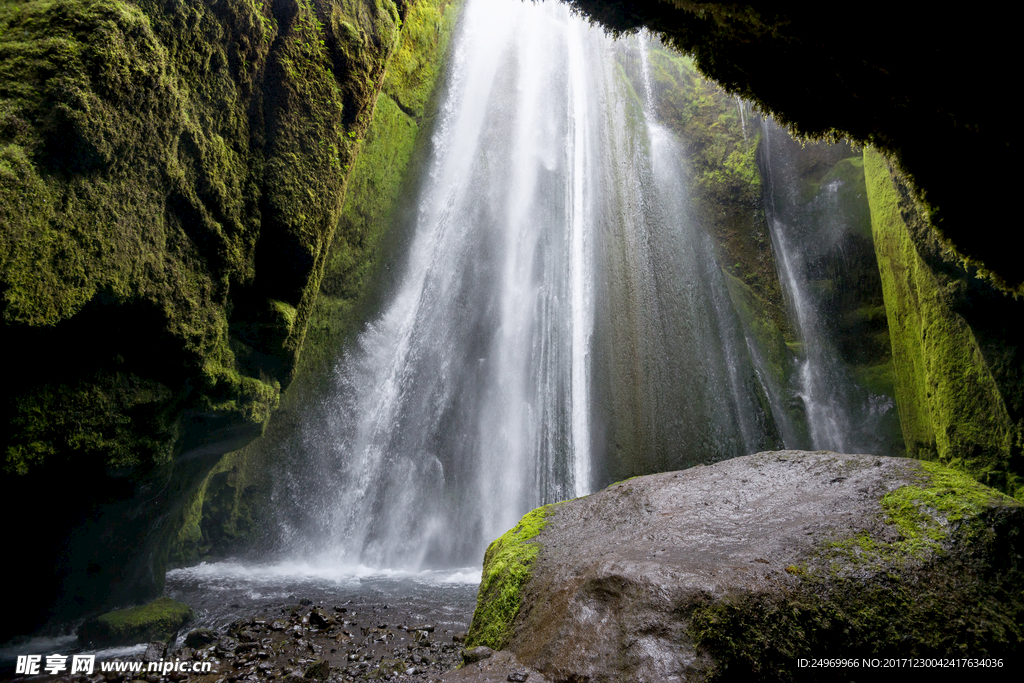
(925, 514)
(223, 509)
(507, 565)
(726, 181)
(950, 404)
(171, 177)
(917, 585)
(922, 517)
(157, 621)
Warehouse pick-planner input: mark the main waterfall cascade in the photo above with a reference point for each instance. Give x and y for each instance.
(560, 319)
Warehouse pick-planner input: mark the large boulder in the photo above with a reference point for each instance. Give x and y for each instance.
(159, 620)
(740, 569)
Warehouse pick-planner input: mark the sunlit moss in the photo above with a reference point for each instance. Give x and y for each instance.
(507, 565)
(950, 406)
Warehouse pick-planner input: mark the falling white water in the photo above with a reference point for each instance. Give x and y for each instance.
(840, 415)
(478, 394)
(582, 307)
(743, 120)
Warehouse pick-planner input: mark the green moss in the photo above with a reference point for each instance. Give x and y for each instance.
(507, 565)
(171, 177)
(118, 420)
(848, 178)
(377, 183)
(879, 379)
(923, 516)
(723, 155)
(158, 620)
(950, 406)
(935, 579)
(378, 179)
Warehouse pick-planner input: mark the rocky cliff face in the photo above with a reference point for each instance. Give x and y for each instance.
(946, 273)
(171, 179)
(229, 512)
(956, 340)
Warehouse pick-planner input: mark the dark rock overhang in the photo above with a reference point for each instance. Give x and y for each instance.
(924, 85)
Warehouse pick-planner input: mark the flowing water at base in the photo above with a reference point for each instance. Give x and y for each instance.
(222, 592)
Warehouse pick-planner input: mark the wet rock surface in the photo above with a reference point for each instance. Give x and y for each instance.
(498, 667)
(735, 570)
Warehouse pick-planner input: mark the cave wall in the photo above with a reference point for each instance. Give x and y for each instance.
(956, 342)
(171, 179)
(917, 87)
(230, 513)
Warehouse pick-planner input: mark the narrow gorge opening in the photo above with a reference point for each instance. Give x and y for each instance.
(599, 265)
(586, 294)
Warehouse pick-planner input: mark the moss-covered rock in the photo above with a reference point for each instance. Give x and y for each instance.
(958, 375)
(159, 620)
(507, 565)
(171, 177)
(737, 570)
(221, 509)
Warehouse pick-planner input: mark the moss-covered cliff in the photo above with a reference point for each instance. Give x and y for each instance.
(222, 513)
(171, 177)
(956, 343)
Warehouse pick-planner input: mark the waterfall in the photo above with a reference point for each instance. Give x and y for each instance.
(811, 235)
(559, 320)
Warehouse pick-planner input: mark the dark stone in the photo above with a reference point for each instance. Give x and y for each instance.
(318, 670)
(475, 654)
(320, 619)
(154, 652)
(200, 638)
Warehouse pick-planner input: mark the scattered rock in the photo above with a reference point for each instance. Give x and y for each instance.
(422, 627)
(318, 670)
(200, 638)
(320, 619)
(387, 668)
(154, 652)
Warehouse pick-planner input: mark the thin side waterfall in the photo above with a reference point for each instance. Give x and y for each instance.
(810, 235)
(559, 319)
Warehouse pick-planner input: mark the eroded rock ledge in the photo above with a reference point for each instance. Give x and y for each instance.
(737, 569)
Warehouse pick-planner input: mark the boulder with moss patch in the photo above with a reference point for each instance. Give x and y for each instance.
(734, 571)
(158, 621)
